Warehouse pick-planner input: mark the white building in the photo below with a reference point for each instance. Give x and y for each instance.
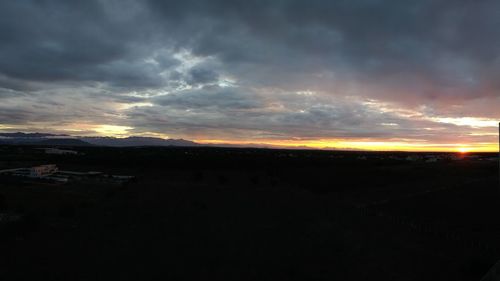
(43, 170)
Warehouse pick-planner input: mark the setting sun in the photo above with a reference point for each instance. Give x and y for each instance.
(463, 149)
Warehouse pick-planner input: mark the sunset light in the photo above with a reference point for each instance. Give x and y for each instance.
(249, 140)
(463, 149)
(342, 144)
(274, 79)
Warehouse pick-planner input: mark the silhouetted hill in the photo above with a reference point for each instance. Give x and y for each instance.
(53, 139)
(137, 141)
(29, 135)
(44, 141)
(63, 142)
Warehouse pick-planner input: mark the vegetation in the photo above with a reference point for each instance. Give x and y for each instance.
(251, 214)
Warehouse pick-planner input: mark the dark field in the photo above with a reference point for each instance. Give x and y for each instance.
(251, 214)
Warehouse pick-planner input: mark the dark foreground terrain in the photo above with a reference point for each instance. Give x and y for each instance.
(250, 214)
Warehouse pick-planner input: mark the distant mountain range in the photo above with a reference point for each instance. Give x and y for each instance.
(30, 135)
(67, 140)
(137, 141)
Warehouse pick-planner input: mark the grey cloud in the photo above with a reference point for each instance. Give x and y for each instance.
(376, 42)
(303, 118)
(201, 75)
(271, 43)
(210, 96)
(166, 61)
(68, 41)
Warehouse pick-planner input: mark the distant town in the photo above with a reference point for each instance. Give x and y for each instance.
(50, 172)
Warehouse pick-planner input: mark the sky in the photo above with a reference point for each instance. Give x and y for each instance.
(347, 74)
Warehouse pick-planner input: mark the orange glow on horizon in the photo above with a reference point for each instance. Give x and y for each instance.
(463, 150)
(367, 144)
(342, 144)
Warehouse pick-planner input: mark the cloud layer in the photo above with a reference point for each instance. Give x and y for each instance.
(367, 70)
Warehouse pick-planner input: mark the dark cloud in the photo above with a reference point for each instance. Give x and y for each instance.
(79, 40)
(441, 43)
(212, 97)
(436, 40)
(202, 76)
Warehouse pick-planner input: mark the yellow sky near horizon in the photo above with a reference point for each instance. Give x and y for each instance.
(478, 127)
(364, 145)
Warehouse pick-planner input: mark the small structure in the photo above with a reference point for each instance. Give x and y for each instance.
(50, 172)
(80, 175)
(412, 158)
(60, 151)
(43, 170)
(16, 170)
(431, 159)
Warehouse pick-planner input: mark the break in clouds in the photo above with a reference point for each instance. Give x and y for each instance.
(253, 70)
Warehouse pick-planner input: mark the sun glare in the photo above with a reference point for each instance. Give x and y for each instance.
(112, 130)
(463, 149)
